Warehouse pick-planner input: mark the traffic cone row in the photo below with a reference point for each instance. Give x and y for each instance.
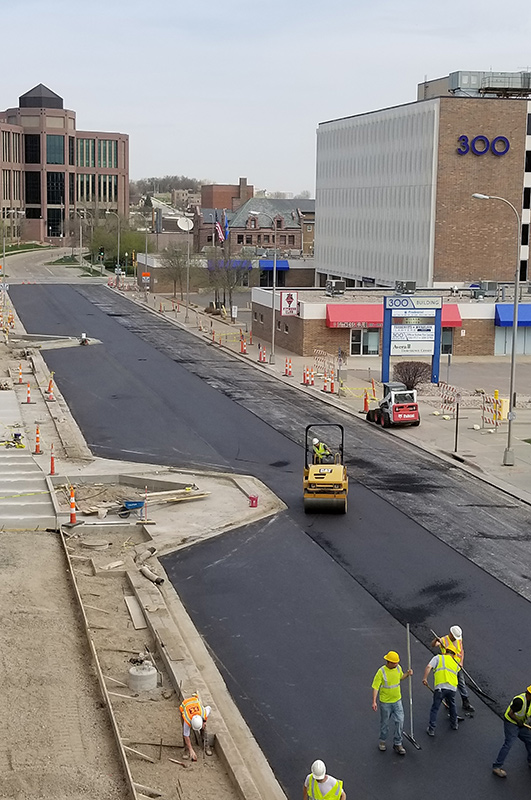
(261, 354)
(287, 369)
(329, 385)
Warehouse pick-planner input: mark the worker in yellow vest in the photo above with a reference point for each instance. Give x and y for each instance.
(453, 643)
(320, 786)
(194, 716)
(445, 670)
(516, 719)
(386, 683)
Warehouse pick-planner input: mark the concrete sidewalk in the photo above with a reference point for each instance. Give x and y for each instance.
(480, 447)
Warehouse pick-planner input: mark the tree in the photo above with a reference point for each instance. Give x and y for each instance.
(304, 195)
(174, 261)
(227, 273)
(412, 373)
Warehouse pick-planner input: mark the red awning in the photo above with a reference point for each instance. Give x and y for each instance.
(354, 315)
(365, 315)
(451, 317)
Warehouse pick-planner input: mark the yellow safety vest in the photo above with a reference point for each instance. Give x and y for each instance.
(455, 648)
(314, 790)
(190, 708)
(446, 671)
(390, 688)
(521, 715)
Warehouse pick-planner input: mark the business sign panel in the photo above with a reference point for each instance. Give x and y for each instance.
(406, 348)
(411, 302)
(146, 277)
(413, 333)
(410, 313)
(289, 304)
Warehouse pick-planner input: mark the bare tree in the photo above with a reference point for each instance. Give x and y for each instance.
(412, 373)
(174, 260)
(227, 273)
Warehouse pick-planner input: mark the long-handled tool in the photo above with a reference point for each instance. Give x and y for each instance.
(409, 736)
(445, 704)
(467, 675)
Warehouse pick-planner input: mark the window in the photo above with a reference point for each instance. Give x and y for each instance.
(446, 340)
(240, 238)
(291, 240)
(32, 148)
(55, 221)
(6, 146)
(523, 270)
(16, 184)
(528, 161)
(266, 238)
(248, 240)
(279, 223)
(525, 234)
(309, 227)
(71, 189)
(6, 184)
(261, 317)
(71, 151)
(283, 239)
(529, 124)
(255, 316)
(259, 238)
(527, 198)
(86, 152)
(55, 188)
(107, 153)
(286, 328)
(55, 149)
(278, 324)
(16, 148)
(33, 188)
(33, 213)
(252, 222)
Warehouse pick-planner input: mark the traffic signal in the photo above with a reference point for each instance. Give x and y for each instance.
(102, 253)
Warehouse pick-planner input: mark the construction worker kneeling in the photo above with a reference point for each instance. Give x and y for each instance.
(194, 716)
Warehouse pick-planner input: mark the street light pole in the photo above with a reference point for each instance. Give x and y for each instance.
(274, 287)
(117, 269)
(508, 455)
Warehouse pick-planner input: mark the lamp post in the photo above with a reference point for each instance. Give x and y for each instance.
(508, 455)
(273, 320)
(186, 224)
(80, 214)
(117, 269)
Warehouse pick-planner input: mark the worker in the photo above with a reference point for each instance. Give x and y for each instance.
(387, 683)
(453, 643)
(445, 670)
(320, 786)
(194, 716)
(515, 726)
(320, 450)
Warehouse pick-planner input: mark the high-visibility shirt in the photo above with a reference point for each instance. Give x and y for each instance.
(190, 708)
(388, 682)
(521, 715)
(321, 450)
(455, 648)
(314, 790)
(446, 671)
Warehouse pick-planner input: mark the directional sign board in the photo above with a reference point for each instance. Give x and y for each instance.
(412, 327)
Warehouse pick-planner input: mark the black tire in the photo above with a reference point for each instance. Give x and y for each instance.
(415, 424)
(124, 513)
(384, 419)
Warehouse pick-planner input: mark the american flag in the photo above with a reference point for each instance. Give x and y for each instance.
(219, 230)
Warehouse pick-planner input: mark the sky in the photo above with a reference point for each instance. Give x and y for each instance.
(223, 90)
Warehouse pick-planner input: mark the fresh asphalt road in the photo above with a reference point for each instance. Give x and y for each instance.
(299, 610)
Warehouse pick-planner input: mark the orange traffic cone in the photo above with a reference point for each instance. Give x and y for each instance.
(28, 394)
(20, 373)
(73, 520)
(37, 451)
(50, 384)
(365, 402)
(52, 462)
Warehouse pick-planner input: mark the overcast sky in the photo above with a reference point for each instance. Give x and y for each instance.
(236, 88)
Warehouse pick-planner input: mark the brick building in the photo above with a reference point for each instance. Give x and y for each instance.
(49, 169)
(472, 324)
(227, 196)
(394, 189)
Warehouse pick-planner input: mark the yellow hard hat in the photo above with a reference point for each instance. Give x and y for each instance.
(392, 656)
(528, 690)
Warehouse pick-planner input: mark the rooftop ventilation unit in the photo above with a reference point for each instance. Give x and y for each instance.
(405, 287)
(335, 287)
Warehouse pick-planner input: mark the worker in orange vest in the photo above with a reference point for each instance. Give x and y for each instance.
(452, 644)
(194, 716)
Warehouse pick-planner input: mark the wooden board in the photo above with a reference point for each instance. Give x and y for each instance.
(135, 612)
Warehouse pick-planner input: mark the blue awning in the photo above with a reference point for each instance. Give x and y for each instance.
(505, 311)
(267, 263)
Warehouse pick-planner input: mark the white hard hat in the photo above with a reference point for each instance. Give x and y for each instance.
(315, 441)
(197, 722)
(456, 632)
(318, 770)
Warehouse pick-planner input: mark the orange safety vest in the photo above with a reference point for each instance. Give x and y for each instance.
(190, 708)
(455, 648)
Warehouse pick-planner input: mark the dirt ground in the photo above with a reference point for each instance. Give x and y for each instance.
(55, 738)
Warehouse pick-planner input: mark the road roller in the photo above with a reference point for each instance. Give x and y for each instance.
(325, 481)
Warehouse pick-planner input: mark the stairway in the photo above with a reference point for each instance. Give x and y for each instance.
(25, 502)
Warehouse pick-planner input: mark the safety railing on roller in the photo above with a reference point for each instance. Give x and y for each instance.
(491, 411)
(448, 395)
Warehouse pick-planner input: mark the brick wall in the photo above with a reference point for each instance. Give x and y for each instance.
(303, 336)
(478, 339)
(476, 239)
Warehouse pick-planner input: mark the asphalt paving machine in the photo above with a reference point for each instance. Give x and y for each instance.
(325, 481)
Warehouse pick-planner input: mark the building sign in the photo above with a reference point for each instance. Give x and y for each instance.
(289, 304)
(412, 348)
(480, 145)
(413, 333)
(358, 324)
(411, 302)
(146, 277)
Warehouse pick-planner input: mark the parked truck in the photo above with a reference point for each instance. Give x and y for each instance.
(398, 407)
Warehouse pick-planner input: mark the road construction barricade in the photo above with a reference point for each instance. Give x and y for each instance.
(448, 396)
(491, 411)
(359, 391)
(325, 362)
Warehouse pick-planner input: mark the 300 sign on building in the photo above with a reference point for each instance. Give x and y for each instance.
(480, 145)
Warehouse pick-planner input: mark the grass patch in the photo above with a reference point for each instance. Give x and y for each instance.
(24, 248)
(528, 441)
